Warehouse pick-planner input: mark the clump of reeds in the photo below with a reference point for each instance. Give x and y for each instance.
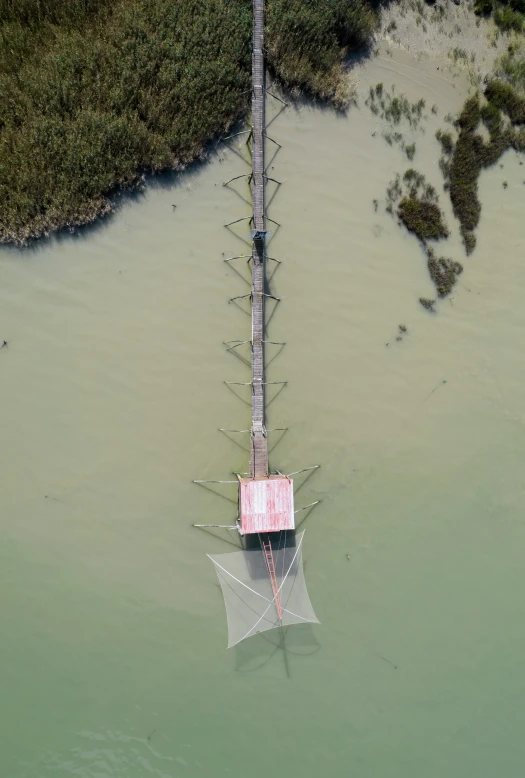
(446, 140)
(422, 217)
(419, 211)
(306, 40)
(504, 97)
(418, 208)
(393, 108)
(512, 65)
(463, 160)
(444, 272)
(428, 304)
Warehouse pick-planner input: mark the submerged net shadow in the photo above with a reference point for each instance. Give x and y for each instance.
(247, 590)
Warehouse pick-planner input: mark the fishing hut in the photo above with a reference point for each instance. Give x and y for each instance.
(261, 590)
(266, 504)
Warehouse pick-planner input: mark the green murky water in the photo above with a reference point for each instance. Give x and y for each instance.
(113, 630)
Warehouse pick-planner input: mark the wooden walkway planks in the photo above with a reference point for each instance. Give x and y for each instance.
(259, 445)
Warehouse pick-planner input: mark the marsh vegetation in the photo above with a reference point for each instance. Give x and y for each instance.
(393, 108)
(502, 112)
(95, 93)
(418, 209)
(418, 206)
(307, 40)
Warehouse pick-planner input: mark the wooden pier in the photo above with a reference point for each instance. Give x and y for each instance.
(265, 499)
(258, 439)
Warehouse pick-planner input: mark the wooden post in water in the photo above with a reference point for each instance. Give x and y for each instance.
(259, 444)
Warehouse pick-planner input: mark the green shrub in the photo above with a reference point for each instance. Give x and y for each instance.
(422, 217)
(508, 14)
(483, 7)
(507, 19)
(505, 98)
(513, 66)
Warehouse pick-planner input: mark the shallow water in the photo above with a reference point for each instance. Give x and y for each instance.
(113, 625)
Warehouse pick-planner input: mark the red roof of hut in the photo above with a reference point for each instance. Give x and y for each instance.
(266, 504)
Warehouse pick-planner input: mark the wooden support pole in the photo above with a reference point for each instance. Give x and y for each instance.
(242, 132)
(239, 297)
(237, 344)
(214, 482)
(276, 98)
(307, 506)
(243, 219)
(306, 469)
(243, 175)
(272, 140)
(218, 526)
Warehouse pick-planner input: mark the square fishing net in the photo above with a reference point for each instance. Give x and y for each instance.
(254, 602)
